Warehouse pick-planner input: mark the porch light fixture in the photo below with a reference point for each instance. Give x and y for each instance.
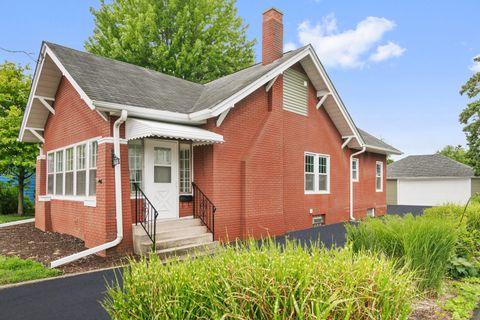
(115, 159)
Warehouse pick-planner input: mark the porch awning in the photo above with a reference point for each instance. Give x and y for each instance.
(137, 128)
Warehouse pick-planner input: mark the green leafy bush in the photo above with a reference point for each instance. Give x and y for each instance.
(8, 198)
(266, 282)
(423, 244)
(464, 298)
(465, 262)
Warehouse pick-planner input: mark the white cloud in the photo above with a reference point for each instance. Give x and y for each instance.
(348, 48)
(387, 51)
(289, 46)
(475, 67)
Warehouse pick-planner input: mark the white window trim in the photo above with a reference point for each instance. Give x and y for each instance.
(381, 176)
(357, 161)
(88, 200)
(316, 173)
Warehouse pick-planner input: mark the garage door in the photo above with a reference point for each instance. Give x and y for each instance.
(432, 192)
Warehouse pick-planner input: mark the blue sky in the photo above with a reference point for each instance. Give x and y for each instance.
(398, 65)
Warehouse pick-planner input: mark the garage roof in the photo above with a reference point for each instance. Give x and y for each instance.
(430, 165)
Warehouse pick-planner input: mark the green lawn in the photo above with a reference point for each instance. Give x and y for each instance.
(4, 218)
(13, 269)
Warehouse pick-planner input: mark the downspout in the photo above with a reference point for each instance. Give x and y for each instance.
(118, 203)
(352, 218)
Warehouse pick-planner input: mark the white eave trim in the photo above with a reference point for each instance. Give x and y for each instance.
(146, 113)
(246, 91)
(383, 150)
(70, 79)
(308, 51)
(38, 71)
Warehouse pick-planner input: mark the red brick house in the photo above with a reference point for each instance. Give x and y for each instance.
(263, 151)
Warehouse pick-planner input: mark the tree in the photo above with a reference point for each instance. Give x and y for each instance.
(198, 40)
(17, 159)
(470, 117)
(14, 86)
(457, 153)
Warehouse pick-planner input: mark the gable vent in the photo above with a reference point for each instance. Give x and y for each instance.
(295, 92)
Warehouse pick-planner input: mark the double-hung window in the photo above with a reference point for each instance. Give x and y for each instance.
(69, 171)
(135, 163)
(92, 173)
(355, 164)
(59, 172)
(81, 170)
(72, 170)
(379, 176)
(50, 173)
(317, 173)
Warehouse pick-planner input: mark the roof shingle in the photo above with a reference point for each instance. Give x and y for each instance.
(432, 165)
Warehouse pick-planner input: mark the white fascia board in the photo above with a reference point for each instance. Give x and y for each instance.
(146, 113)
(232, 100)
(383, 150)
(33, 88)
(70, 79)
(331, 88)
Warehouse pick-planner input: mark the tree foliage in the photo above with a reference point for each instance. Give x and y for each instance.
(457, 153)
(470, 117)
(17, 159)
(198, 40)
(14, 86)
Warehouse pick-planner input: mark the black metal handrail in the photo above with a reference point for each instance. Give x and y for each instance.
(145, 214)
(203, 208)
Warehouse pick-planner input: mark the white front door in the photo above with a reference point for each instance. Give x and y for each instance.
(161, 176)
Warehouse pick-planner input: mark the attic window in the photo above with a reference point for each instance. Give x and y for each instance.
(295, 97)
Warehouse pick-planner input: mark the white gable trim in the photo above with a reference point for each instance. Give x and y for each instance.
(70, 79)
(243, 93)
(38, 71)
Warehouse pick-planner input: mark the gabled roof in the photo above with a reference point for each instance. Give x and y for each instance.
(425, 166)
(107, 85)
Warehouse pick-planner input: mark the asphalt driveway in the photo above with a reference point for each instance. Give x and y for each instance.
(74, 297)
(79, 297)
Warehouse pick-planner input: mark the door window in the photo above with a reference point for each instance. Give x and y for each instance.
(162, 165)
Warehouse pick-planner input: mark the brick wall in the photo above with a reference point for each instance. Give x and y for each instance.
(256, 178)
(74, 122)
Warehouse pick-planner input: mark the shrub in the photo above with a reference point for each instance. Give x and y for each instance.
(466, 259)
(8, 198)
(423, 244)
(265, 282)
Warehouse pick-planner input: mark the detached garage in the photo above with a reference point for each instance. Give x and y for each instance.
(429, 180)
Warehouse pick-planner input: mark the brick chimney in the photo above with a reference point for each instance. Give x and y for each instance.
(272, 35)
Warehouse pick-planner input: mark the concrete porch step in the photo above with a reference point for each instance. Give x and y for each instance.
(179, 241)
(193, 250)
(170, 224)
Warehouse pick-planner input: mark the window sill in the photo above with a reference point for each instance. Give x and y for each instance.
(87, 201)
(379, 190)
(44, 198)
(317, 192)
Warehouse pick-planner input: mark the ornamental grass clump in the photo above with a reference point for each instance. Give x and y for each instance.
(423, 244)
(264, 282)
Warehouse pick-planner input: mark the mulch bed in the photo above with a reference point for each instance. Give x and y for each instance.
(28, 242)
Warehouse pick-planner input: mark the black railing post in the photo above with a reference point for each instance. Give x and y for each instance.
(203, 208)
(148, 215)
